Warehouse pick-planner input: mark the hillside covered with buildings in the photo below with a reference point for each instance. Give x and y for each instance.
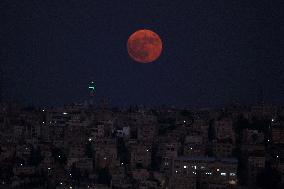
(81, 147)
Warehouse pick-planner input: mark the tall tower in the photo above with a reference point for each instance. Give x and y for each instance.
(92, 92)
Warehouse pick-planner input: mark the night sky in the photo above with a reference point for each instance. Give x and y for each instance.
(214, 52)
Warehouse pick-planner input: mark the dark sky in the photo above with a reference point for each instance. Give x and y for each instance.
(215, 52)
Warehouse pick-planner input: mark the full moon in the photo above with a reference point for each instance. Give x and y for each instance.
(144, 46)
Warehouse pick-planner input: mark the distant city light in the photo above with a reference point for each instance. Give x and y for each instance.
(184, 167)
(59, 156)
(184, 121)
(277, 156)
(90, 139)
(21, 164)
(48, 168)
(61, 183)
(105, 158)
(121, 163)
(147, 150)
(176, 171)
(218, 169)
(223, 174)
(64, 113)
(43, 110)
(232, 182)
(272, 120)
(43, 122)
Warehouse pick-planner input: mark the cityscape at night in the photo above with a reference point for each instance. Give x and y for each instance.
(140, 94)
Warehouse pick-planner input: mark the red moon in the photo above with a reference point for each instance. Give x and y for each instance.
(144, 46)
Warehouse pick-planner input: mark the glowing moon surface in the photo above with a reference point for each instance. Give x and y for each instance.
(144, 46)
